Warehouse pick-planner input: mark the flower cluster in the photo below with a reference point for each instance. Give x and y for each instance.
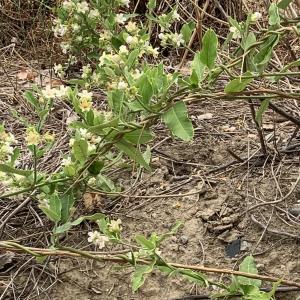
(6, 142)
(97, 239)
(175, 39)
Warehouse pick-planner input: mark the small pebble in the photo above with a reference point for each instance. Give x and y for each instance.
(184, 239)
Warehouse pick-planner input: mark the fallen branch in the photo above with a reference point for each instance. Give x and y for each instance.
(66, 251)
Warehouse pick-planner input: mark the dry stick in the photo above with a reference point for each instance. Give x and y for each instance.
(284, 113)
(277, 201)
(297, 237)
(119, 259)
(258, 128)
(16, 210)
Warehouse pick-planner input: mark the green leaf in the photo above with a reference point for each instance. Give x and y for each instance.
(208, 54)
(178, 122)
(198, 69)
(67, 202)
(15, 155)
(133, 153)
(248, 266)
(132, 58)
(145, 89)
(151, 4)
(238, 84)
(187, 31)
(139, 136)
(96, 167)
(80, 149)
(266, 51)
(295, 63)
(53, 209)
(144, 242)
(31, 99)
(139, 276)
(250, 40)
(68, 225)
(98, 129)
(274, 18)
(10, 170)
(196, 277)
(283, 4)
(263, 107)
(147, 155)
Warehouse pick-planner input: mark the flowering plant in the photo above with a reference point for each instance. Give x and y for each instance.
(121, 93)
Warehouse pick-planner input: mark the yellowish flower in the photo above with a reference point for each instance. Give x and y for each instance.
(49, 137)
(131, 27)
(115, 226)
(85, 105)
(32, 137)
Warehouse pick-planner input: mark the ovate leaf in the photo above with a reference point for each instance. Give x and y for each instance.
(139, 276)
(10, 170)
(139, 136)
(238, 84)
(198, 69)
(283, 4)
(133, 153)
(80, 149)
(248, 266)
(144, 242)
(178, 122)
(274, 18)
(67, 202)
(208, 54)
(53, 209)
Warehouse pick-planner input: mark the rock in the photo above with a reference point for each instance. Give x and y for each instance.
(245, 246)
(184, 239)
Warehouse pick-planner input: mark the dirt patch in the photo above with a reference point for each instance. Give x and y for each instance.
(214, 216)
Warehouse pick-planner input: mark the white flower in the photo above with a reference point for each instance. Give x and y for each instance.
(256, 16)
(60, 30)
(124, 2)
(91, 148)
(122, 85)
(79, 38)
(67, 5)
(123, 50)
(58, 68)
(132, 40)
(86, 71)
(92, 181)
(48, 92)
(131, 27)
(65, 47)
(82, 7)
(176, 16)
(164, 38)
(62, 92)
(115, 226)
(150, 50)
(94, 14)
(136, 74)
(235, 32)
(96, 238)
(71, 119)
(105, 35)
(84, 133)
(71, 142)
(66, 161)
(177, 39)
(75, 27)
(96, 139)
(120, 18)
(85, 95)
